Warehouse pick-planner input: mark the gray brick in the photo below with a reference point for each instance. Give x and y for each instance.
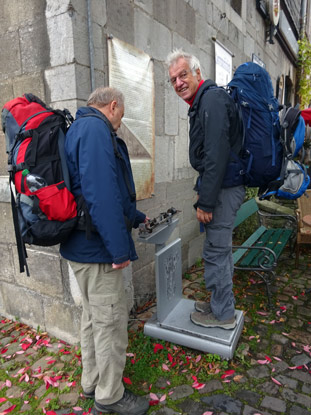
(45, 273)
(287, 382)
(10, 63)
(248, 410)
(186, 22)
(146, 5)
(297, 410)
(120, 20)
(7, 234)
(295, 397)
(33, 83)
(274, 404)
(151, 36)
(259, 372)
(29, 309)
(164, 11)
(62, 320)
(34, 38)
(7, 269)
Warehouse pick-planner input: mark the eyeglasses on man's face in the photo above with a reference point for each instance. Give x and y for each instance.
(182, 76)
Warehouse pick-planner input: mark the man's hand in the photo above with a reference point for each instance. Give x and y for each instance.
(122, 265)
(204, 217)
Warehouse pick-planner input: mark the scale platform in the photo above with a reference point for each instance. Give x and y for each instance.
(172, 320)
(178, 328)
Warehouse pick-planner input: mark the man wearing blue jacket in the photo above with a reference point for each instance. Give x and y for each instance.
(100, 171)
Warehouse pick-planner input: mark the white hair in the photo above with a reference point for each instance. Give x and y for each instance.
(102, 96)
(177, 54)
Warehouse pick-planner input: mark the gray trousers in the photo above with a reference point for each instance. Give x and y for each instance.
(217, 252)
(104, 335)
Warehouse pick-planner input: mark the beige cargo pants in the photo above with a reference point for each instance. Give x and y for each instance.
(104, 335)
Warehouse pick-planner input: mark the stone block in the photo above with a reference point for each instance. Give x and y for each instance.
(151, 36)
(146, 5)
(30, 11)
(171, 111)
(61, 82)
(7, 235)
(144, 284)
(100, 48)
(57, 7)
(83, 79)
(189, 231)
(200, 6)
(160, 80)
(195, 250)
(181, 146)
(183, 110)
(120, 20)
(164, 150)
(33, 83)
(186, 22)
(5, 196)
(81, 39)
(35, 47)
(165, 12)
(7, 269)
(220, 24)
(203, 34)
(101, 77)
(74, 288)
(19, 302)
(6, 94)
(99, 12)
(10, 62)
(62, 320)
(9, 16)
(62, 36)
(45, 273)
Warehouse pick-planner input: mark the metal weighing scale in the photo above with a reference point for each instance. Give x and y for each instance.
(172, 320)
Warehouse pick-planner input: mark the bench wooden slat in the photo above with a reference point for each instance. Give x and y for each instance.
(251, 257)
(249, 242)
(278, 249)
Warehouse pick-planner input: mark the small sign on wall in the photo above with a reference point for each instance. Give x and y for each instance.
(223, 64)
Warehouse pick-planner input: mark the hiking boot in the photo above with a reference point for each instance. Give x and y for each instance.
(129, 404)
(203, 306)
(209, 320)
(89, 395)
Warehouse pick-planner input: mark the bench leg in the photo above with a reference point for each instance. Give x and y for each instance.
(267, 278)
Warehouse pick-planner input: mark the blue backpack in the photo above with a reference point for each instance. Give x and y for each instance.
(270, 144)
(260, 160)
(293, 180)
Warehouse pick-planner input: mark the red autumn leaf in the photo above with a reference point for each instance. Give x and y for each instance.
(25, 346)
(4, 351)
(170, 357)
(50, 362)
(153, 403)
(127, 380)
(227, 373)
(268, 358)
(10, 409)
(157, 347)
(2, 400)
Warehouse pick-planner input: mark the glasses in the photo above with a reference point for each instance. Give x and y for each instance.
(182, 76)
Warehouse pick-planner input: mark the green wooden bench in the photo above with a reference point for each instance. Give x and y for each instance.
(261, 251)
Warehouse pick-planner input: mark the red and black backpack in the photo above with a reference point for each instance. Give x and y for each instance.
(35, 138)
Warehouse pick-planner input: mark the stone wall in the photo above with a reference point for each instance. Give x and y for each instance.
(44, 48)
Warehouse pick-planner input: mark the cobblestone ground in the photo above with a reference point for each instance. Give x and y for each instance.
(40, 374)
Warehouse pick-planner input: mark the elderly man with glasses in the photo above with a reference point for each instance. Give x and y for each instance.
(215, 136)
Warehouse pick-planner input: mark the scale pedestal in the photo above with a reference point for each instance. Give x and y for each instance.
(172, 320)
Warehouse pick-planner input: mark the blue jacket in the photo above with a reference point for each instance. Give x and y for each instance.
(98, 175)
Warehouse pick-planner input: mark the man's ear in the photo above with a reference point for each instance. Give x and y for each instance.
(199, 76)
(113, 105)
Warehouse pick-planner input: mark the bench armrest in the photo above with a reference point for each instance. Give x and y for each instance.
(265, 263)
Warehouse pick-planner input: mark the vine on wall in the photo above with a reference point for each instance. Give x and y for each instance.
(304, 73)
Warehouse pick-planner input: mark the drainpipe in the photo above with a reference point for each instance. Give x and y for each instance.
(91, 44)
(303, 18)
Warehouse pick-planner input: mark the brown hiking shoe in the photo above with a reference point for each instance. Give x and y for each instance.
(203, 306)
(209, 320)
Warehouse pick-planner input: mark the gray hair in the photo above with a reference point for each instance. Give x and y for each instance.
(102, 96)
(177, 54)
